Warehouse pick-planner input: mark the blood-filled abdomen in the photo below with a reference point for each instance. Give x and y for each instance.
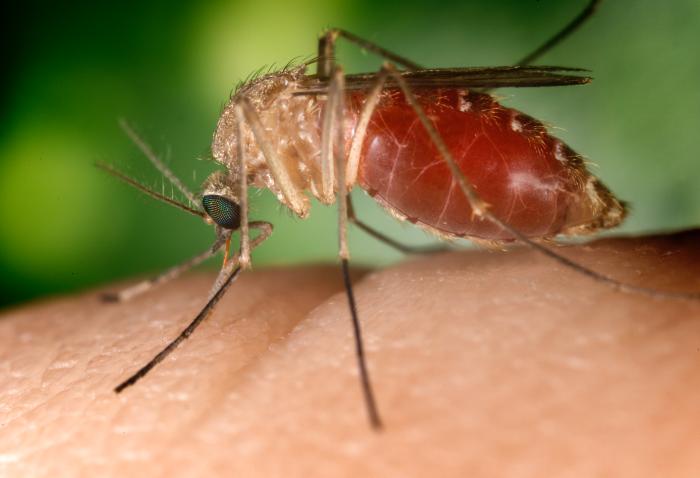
(530, 180)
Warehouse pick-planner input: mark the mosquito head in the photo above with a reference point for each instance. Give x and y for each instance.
(222, 211)
(220, 201)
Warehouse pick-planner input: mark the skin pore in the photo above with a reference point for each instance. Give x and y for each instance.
(483, 363)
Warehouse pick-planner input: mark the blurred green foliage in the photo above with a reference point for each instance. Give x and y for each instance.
(73, 70)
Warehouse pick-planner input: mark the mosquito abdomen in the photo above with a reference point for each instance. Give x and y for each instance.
(530, 179)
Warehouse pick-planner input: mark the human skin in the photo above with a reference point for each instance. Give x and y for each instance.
(484, 364)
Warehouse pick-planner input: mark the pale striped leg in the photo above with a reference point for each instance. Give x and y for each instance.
(242, 190)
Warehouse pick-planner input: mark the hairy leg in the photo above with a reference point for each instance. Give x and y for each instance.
(381, 237)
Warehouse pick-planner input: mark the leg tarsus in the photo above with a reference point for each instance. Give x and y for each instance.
(223, 281)
(326, 51)
(203, 314)
(372, 410)
(403, 248)
(561, 35)
(381, 237)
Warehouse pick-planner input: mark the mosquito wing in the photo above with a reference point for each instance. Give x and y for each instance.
(469, 77)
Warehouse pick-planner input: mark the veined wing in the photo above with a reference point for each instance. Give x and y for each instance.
(468, 77)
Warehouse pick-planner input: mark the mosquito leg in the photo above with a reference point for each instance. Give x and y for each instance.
(326, 51)
(203, 314)
(332, 125)
(361, 129)
(353, 165)
(333, 133)
(326, 54)
(227, 275)
(242, 191)
(293, 195)
(170, 274)
(480, 207)
(560, 36)
(372, 410)
(403, 248)
(336, 97)
(155, 160)
(265, 229)
(334, 152)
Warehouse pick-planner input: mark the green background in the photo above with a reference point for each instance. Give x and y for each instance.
(72, 71)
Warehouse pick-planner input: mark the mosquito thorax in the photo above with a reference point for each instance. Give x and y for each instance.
(293, 126)
(269, 95)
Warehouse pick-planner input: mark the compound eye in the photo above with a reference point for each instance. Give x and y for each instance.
(224, 212)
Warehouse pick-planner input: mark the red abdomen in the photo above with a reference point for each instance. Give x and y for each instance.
(530, 180)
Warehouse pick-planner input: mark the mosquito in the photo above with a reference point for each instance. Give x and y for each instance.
(430, 145)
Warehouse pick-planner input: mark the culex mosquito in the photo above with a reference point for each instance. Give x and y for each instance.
(429, 145)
